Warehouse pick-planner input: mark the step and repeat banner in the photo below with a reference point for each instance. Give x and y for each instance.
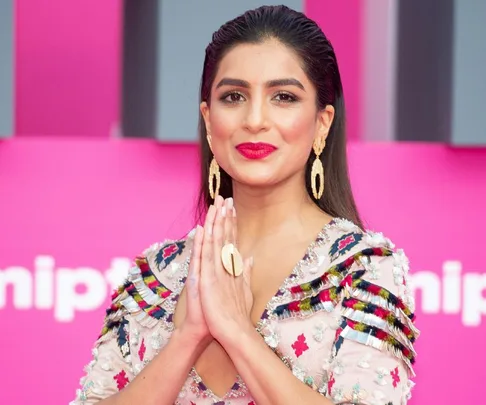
(74, 214)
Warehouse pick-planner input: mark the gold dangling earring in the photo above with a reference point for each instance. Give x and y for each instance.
(318, 170)
(213, 173)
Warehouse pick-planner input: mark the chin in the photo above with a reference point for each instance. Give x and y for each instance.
(257, 177)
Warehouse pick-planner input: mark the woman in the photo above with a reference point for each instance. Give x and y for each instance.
(304, 319)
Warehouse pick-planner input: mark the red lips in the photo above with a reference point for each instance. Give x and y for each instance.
(255, 150)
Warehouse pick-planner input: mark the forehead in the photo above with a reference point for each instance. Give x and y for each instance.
(261, 62)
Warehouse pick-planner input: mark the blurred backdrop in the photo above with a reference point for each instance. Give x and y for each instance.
(98, 160)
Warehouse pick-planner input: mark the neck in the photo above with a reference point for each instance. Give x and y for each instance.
(285, 209)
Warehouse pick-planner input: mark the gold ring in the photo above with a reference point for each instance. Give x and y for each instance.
(232, 260)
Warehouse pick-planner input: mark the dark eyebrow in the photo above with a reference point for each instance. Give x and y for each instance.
(285, 82)
(272, 83)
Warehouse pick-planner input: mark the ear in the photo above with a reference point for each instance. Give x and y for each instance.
(204, 108)
(325, 118)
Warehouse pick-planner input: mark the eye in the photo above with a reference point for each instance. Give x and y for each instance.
(233, 98)
(285, 98)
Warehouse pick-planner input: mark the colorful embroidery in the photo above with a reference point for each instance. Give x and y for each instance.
(300, 346)
(141, 351)
(140, 292)
(330, 383)
(395, 377)
(326, 300)
(167, 253)
(344, 244)
(383, 336)
(122, 338)
(382, 313)
(121, 380)
(335, 273)
(383, 293)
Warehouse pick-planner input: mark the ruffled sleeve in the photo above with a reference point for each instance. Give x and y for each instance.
(139, 305)
(373, 350)
(110, 369)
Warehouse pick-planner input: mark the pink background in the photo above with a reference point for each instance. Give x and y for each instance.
(88, 199)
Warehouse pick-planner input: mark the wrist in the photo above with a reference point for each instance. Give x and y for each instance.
(232, 334)
(190, 338)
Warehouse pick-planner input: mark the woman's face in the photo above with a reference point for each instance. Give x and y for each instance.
(262, 118)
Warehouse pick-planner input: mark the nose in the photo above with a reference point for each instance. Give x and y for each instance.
(256, 119)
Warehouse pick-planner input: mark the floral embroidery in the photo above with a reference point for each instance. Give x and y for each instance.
(344, 244)
(395, 377)
(330, 383)
(300, 346)
(121, 380)
(141, 351)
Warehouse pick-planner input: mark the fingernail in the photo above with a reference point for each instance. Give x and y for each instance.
(229, 202)
(234, 211)
(223, 211)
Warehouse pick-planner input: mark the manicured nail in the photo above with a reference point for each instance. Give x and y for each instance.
(223, 211)
(229, 202)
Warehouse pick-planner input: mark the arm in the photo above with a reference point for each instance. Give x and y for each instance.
(372, 353)
(110, 374)
(269, 380)
(171, 366)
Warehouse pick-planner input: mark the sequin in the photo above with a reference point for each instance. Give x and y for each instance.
(319, 330)
(135, 337)
(372, 269)
(299, 373)
(156, 340)
(338, 394)
(345, 225)
(381, 374)
(106, 364)
(271, 336)
(337, 367)
(358, 394)
(364, 361)
(376, 239)
(377, 398)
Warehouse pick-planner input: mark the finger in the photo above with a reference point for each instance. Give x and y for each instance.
(207, 244)
(228, 223)
(218, 234)
(195, 266)
(234, 225)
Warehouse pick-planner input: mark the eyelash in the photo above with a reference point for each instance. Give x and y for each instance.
(292, 98)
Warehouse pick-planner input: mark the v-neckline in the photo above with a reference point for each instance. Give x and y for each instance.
(305, 260)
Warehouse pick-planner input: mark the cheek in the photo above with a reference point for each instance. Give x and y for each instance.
(297, 128)
(223, 122)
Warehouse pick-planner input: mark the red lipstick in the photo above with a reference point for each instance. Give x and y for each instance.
(257, 150)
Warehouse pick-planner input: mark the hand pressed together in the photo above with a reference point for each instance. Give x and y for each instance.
(219, 304)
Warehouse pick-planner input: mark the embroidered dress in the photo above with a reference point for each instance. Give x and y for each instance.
(342, 321)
